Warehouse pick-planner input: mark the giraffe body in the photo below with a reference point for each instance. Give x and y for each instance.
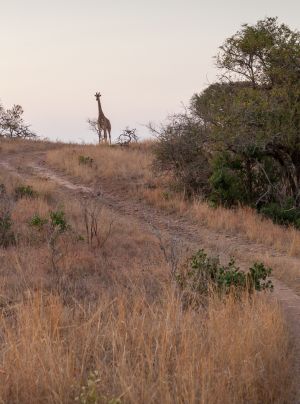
(103, 123)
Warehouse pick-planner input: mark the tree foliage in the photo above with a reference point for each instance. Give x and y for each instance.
(12, 124)
(256, 112)
(251, 117)
(182, 150)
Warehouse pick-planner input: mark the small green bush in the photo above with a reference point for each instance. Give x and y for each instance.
(58, 220)
(37, 221)
(202, 273)
(257, 277)
(85, 160)
(53, 228)
(25, 191)
(89, 393)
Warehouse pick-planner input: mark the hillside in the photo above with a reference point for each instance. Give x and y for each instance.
(90, 310)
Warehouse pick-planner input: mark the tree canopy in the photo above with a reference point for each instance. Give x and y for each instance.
(251, 115)
(255, 108)
(12, 124)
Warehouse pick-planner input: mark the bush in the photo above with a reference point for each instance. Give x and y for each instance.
(85, 160)
(258, 277)
(243, 179)
(202, 273)
(25, 191)
(89, 393)
(56, 220)
(285, 215)
(181, 150)
(53, 229)
(227, 181)
(37, 221)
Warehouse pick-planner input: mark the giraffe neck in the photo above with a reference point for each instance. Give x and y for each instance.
(101, 114)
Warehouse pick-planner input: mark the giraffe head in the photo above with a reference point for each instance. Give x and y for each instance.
(97, 95)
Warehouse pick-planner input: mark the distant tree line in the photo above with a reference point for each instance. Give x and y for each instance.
(239, 140)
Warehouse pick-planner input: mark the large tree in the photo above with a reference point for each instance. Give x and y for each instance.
(254, 110)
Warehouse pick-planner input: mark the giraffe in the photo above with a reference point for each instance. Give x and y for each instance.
(103, 123)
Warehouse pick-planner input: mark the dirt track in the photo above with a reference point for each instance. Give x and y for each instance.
(172, 226)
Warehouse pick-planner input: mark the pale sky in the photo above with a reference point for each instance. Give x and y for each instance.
(146, 57)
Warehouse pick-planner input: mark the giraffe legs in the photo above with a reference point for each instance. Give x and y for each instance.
(105, 135)
(100, 135)
(104, 138)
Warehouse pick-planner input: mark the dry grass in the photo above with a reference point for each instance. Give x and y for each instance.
(248, 223)
(243, 224)
(130, 164)
(114, 310)
(138, 181)
(134, 166)
(243, 221)
(15, 145)
(144, 352)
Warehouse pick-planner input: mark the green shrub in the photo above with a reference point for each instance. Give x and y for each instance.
(89, 393)
(85, 160)
(285, 215)
(202, 273)
(227, 181)
(257, 277)
(58, 220)
(25, 191)
(37, 221)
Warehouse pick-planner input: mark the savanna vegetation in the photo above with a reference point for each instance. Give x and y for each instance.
(98, 306)
(238, 143)
(91, 313)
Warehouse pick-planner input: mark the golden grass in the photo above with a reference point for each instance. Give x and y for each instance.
(15, 145)
(242, 220)
(138, 181)
(130, 164)
(248, 223)
(114, 310)
(244, 224)
(134, 166)
(144, 352)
